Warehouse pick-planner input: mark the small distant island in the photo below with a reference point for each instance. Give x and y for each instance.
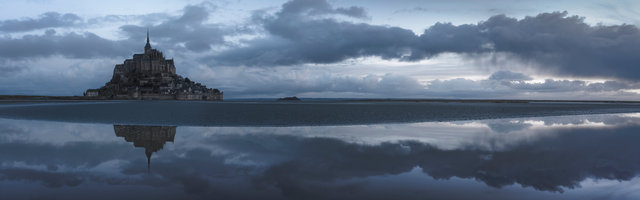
(151, 76)
(293, 98)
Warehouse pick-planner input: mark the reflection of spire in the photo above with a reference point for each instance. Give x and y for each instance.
(148, 153)
(151, 138)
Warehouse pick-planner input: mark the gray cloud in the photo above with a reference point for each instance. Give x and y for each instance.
(8, 67)
(388, 84)
(289, 81)
(315, 32)
(314, 7)
(611, 86)
(550, 85)
(46, 20)
(306, 31)
(73, 45)
(509, 76)
(507, 84)
(562, 44)
(558, 43)
(298, 36)
(411, 10)
(567, 45)
(191, 29)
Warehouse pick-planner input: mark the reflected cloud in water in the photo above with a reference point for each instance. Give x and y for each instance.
(570, 157)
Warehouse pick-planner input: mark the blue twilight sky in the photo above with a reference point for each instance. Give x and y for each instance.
(332, 48)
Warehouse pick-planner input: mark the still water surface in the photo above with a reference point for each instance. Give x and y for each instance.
(553, 157)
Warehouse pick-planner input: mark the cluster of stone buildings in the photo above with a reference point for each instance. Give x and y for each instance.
(151, 76)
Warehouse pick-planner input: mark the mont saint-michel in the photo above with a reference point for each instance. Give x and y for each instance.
(150, 76)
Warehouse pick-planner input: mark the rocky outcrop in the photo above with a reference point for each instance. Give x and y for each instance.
(151, 76)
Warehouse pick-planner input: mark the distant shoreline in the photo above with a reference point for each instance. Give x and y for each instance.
(38, 97)
(83, 98)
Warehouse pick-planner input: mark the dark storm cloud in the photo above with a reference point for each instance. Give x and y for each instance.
(566, 45)
(188, 29)
(299, 34)
(46, 20)
(73, 45)
(306, 31)
(191, 29)
(560, 44)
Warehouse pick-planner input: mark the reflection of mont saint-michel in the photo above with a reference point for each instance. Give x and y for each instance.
(151, 138)
(151, 76)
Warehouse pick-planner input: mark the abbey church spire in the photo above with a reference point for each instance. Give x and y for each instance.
(148, 45)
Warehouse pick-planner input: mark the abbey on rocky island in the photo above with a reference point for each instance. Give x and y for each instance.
(151, 76)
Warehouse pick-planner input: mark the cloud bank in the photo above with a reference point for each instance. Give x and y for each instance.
(301, 33)
(312, 34)
(46, 20)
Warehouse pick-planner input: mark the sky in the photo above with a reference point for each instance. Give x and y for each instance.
(462, 49)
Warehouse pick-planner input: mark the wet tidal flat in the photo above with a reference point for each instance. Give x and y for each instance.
(552, 156)
(270, 113)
